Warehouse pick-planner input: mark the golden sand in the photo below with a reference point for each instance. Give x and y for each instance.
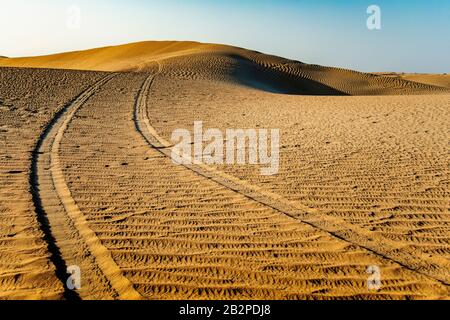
(86, 178)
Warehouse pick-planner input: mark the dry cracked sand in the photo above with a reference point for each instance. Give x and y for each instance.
(86, 178)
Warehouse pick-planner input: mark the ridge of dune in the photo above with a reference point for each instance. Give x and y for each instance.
(188, 59)
(110, 58)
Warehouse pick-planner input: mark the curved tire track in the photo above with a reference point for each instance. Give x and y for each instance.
(47, 181)
(434, 268)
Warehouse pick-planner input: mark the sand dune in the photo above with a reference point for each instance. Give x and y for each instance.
(86, 178)
(237, 65)
(438, 80)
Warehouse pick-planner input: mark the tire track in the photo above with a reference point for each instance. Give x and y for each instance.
(432, 267)
(47, 181)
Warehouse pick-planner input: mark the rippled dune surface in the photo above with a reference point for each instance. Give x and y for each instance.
(87, 180)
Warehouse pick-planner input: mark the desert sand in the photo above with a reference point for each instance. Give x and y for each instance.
(86, 178)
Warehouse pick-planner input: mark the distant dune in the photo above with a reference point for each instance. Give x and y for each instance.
(227, 63)
(439, 80)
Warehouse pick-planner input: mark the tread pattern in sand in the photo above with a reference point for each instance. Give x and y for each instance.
(172, 232)
(27, 269)
(71, 231)
(350, 158)
(175, 234)
(435, 268)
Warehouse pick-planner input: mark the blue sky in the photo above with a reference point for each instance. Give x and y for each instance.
(415, 34)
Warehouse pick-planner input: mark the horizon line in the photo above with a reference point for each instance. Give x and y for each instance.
(212, 43)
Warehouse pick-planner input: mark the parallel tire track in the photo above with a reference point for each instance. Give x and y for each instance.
(47, 153)
(432, 267)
